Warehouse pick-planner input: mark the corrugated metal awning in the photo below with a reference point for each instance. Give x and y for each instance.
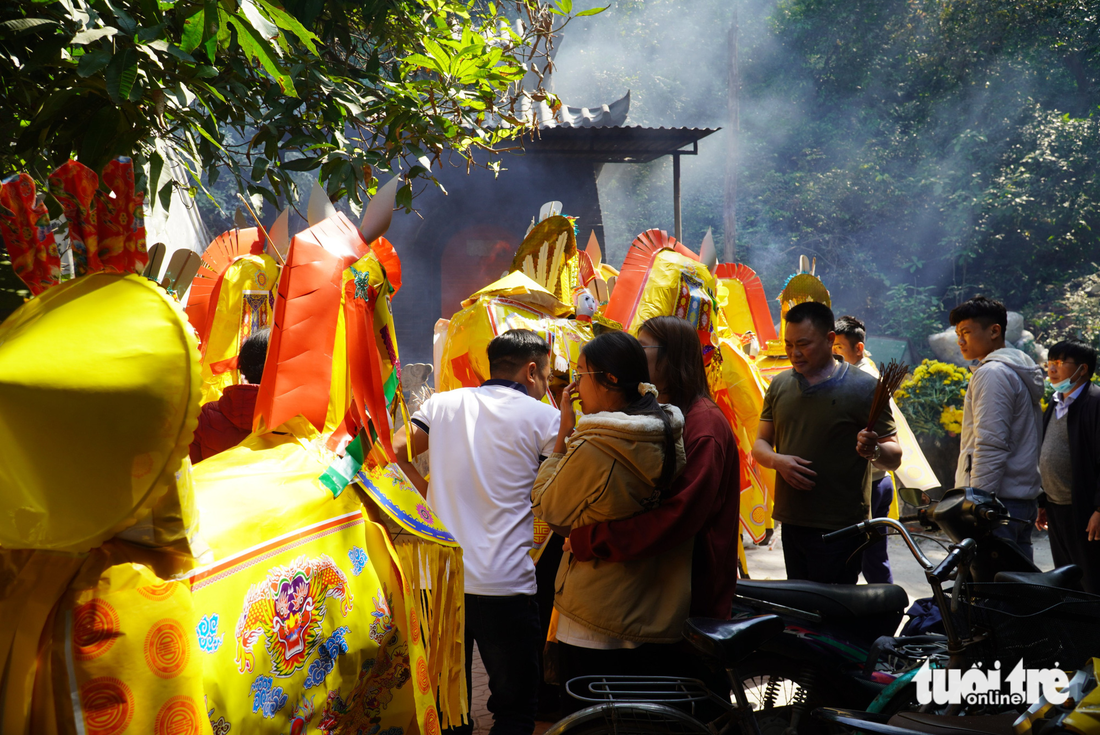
(615, 144)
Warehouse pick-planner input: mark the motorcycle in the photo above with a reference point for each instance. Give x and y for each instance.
(1075, 712)
(839, 645)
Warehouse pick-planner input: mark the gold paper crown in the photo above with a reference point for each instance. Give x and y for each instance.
(801, 287)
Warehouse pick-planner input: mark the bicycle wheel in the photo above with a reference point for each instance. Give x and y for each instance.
(617, 718)
(781, 691)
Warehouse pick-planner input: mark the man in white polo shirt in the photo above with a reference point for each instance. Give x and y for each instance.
(485, 447)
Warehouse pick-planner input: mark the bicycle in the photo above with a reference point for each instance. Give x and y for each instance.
(668, 705)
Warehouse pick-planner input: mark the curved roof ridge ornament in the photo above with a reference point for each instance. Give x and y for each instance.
(610, 115)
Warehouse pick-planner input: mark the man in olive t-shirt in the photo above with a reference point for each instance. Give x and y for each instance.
(813, 433)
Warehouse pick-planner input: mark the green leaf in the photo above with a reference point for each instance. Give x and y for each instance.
(258, 48)
(20, 25)
(289, 23)
(93, 62)
(205, 72)
(592, 11)
(97, 139)
(85, 37)
(211, 90)
(263, 26)
(265, 193)
(259, 169)
(165, 196)
(300, 164)
(126, 21)
(156, 165)
(121, 73)
(404, 197)
(426, 62)
(214, 29)
(174, 50)
(193, 28)
(145, 35)
(209, 135)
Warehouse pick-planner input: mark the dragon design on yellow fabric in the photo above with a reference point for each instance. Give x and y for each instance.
(287, 609)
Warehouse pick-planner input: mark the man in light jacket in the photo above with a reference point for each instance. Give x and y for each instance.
(1002, 420)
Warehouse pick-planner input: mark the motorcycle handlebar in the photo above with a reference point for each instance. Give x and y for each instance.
(948, 565)
(886, 523)
(989, 514)
(843, 533)
(909, 519)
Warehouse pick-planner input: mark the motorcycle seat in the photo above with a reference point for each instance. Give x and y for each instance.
(955, 725)
(835, 602)
(730, 641)
(1066, 578)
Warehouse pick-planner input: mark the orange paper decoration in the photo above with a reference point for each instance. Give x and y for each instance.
(627, 296)
(299, 354)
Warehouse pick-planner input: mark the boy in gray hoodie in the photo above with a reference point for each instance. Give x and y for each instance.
(1002, 419)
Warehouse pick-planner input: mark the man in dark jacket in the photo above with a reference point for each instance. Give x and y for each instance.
(1070, 461)
(224, 423)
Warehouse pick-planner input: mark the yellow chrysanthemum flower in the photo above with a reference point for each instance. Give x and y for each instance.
(951, 419)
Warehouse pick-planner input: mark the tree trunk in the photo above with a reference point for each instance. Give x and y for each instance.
(729, 220)
(1072, 62)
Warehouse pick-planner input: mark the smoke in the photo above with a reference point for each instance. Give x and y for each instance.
(848, 150)
(672, 57)
(675, 57)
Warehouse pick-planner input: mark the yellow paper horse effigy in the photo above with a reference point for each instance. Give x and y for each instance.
(535, 296)
(659, 276)
(231, 298)
(745, 319)
(141, 596)
(662, 277)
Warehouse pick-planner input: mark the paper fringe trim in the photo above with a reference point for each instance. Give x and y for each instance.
(442, 612)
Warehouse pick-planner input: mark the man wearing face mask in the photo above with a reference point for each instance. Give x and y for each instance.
(1070, 461)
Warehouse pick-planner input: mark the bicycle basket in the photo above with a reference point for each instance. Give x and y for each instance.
(1042, 626)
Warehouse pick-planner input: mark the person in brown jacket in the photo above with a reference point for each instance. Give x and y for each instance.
(614, 462)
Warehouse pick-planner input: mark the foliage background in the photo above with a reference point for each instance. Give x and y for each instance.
(259, 92)
(923, 151)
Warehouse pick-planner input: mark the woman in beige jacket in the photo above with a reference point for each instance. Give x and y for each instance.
(613, 462)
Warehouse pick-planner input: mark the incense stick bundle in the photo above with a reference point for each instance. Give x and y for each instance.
(889, 378)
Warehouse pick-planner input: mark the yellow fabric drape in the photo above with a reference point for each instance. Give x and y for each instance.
(435, 573)
(126, 409)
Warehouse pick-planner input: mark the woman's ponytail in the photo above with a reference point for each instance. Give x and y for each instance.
(623, 356)
(647, 405)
